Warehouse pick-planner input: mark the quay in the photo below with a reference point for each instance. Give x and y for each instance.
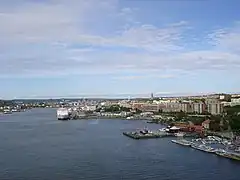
(208, 149)
(135, 135)
(229, 155)
(146, 134)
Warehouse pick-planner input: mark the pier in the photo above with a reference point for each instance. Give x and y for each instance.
(209, 149)
(145, 134)
(135, 135)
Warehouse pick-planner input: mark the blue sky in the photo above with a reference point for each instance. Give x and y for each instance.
(93, 48)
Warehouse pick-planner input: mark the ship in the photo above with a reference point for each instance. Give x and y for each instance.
(63, 114)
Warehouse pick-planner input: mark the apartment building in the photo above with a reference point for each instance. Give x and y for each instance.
(172, 107)
(199, 107)
(214, 106)
(186, 107)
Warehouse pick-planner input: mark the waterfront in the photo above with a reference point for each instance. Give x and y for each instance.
(34, 145)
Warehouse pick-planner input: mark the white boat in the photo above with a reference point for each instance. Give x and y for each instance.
(203, 147)
(180, 134)
(182, 142)
(163, 129)
(63, 114)
(7, 111)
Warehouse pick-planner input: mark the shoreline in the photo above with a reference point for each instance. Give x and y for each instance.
(109, 118)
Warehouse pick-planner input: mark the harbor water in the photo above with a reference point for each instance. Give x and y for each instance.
(36, 146)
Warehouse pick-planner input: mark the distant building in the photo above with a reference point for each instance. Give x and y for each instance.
(172, 107)
(89, 108)
(125, 104)
(184, 126)
(235, 101)
(137, 105)
(152, 97)
(150, 107)
(199, 108)
(186, 107)
(224, 97)
(206, 124)
(214, 106)
(197, 128)
(146, 107)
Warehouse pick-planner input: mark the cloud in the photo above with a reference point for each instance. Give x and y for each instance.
(227, 39)
(96, 37)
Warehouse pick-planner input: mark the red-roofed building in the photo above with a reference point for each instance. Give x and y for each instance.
(184, 126)
(198, 128)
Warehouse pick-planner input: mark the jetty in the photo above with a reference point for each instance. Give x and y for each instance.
(146, 134)
(208, 149)
(229, 155)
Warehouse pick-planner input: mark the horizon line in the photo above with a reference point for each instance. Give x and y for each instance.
(118, 96)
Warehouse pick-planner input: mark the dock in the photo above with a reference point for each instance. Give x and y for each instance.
(146, 134)
(208, 149)
(232, 156)
(134, 135)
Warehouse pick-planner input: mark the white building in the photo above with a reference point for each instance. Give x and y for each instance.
(89, 108)
(214, 106)
(235, 100)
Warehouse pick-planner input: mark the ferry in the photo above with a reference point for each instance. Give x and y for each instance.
(63, 114)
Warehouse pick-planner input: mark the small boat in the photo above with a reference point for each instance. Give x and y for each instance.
(179, 134)
(162, 130)
(203, 147)
(182, 142)
(220, 151)
(7, 112)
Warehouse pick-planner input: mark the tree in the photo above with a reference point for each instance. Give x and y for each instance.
(98, 110)
(232, 117)
(231, 110)
(113, 108)
(6, 103)
(214, 126)
(180, 115)
(235, 123)
(138, 111)
(125, 109)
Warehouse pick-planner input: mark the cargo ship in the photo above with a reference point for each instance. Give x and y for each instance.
(63, 114)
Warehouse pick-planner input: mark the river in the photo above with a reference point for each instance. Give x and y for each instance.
(36, 146)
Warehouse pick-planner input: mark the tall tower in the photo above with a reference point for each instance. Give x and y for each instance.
(152, 96)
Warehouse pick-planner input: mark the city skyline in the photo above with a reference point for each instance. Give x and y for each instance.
(110, 47)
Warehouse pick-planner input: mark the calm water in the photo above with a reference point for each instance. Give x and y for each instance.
(34, 145)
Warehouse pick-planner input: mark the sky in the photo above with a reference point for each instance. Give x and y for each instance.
(113, 48)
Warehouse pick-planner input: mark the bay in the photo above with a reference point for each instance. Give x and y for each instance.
(34, 145)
